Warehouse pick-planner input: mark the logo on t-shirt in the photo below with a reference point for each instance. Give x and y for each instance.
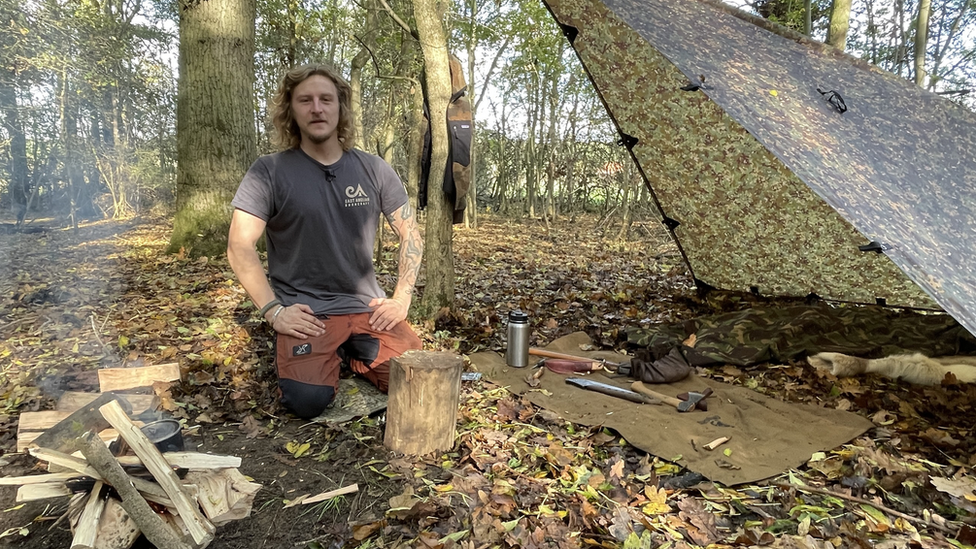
(356, 196)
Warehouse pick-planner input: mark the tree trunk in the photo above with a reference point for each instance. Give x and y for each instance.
(415, 142)
(840, 19)
(921, 40)
(18, 147)
(502, 184)
(439, 291)
(807, 17)
(216, 139)
(356, 73)
(630, 192)
(79, 197)
(384, 148)
(553, 93)
(356, 85)
(471, 199)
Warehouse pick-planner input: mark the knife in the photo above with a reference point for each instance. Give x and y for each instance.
(611, 390)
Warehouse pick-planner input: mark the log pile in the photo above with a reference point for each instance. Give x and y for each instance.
(121, 486)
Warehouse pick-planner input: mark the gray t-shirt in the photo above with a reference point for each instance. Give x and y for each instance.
(321, 225)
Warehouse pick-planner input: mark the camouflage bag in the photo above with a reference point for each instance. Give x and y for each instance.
(766, 334)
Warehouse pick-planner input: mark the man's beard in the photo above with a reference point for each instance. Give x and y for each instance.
(319, 139)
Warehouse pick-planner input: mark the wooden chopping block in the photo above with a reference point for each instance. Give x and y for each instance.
(422, 412)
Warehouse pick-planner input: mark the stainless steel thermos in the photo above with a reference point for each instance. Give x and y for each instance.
(517, 353)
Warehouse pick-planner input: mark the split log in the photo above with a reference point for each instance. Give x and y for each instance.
(121, 379)
(87, 527)
(201, 530)
(116, 530)
(25, 440)
(184, 460)
(72, 400)
(224, 495)
(155, 529)
(64, 461)
(36, 479)
(190, 460)
(425, 390)
(150, 490)
(40, 421)
(34, 492)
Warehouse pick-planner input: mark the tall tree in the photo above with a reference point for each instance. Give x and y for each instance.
(10, 111)
(14, 50)
(840, 22)
(808, 17)
(214, 119)
(439, 291)
(367, 43)
(921, 40)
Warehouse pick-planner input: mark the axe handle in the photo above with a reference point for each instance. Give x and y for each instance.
(549, 354)
(639, 387)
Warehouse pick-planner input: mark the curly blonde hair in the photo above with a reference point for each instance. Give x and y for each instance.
(289, 135)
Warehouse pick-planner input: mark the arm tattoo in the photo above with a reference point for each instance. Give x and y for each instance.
(404, 224)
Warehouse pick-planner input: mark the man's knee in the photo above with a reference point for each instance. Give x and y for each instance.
(304, 399)
(379, 375)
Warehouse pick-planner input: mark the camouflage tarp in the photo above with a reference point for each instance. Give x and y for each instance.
(764, 184)
(780, 334)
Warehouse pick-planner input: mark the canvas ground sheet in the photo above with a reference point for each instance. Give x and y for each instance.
(767, 436)
(765, 186)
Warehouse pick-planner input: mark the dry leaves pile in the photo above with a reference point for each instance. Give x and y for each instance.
(519, 476)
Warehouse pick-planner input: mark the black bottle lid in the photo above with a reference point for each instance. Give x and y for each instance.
(518, 317)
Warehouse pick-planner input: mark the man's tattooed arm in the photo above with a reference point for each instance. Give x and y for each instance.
(404, 223)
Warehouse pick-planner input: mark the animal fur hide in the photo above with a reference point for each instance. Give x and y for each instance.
(914, 368)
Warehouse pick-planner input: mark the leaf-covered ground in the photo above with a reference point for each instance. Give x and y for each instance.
(106, 295)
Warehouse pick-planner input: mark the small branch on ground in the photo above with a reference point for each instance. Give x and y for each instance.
(877, 506)
(95, 330)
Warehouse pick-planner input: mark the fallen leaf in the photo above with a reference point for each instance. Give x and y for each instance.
(961, 488)
(250, 427)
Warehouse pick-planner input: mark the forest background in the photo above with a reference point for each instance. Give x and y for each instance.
(111, 108)
(115, 109)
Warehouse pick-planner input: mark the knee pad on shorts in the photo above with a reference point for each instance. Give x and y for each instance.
(304, 399)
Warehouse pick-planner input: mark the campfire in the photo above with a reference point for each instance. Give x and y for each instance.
(125, 469)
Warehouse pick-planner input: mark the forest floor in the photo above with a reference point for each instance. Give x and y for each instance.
(72, 301)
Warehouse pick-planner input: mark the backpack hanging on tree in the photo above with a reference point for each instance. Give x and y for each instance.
(457, 178)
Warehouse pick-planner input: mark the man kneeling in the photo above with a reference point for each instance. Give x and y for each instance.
(317, 201)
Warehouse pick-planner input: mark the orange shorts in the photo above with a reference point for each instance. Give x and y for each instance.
(308, 369)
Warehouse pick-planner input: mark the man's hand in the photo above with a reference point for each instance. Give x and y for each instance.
(297, 321)
(387, 313)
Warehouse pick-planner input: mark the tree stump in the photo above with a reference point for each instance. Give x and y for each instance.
(425, 390)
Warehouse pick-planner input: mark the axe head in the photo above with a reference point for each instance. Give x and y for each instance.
(65, 434)
(695, 400)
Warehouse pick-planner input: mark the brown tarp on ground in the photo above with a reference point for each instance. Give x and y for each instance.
(767, 436)
(766, 186)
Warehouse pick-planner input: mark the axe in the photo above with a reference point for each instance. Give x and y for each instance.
(65, 435)
(695, 400)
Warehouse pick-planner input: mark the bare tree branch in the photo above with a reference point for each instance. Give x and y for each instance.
(396, 18)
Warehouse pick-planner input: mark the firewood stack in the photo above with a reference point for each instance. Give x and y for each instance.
(129, 487)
